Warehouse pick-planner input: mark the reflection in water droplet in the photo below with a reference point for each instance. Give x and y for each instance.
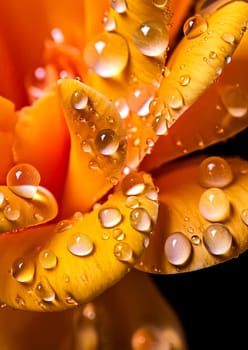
(184, 80)
(110, 217)
(23, 270)
(80, 244)
(228, 38)
(107, 54)
(160, 125)
(214, 205)
(12, 212)
(48, 259)
(140, 220)
(195, 239)
(151, 38)
(122, 107)
(160, 3)
(235, 100)
(123, 251)
(63, 225)
(118, 234)
(215, 172)
(119, 6)
(195, 26)
(217, 238)
(23, 179)
(177, 248)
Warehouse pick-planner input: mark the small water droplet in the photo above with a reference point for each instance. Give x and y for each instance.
(23, 179)
(175, 99)
(79, 100)
(11, 212)
(122, 107)
(63, 225)
(212, 55)
(151, 38)
(160, 3)
(184, 79)
(23, 270)
(214, 205)
(1, 198)
(140, 220)
(244, 216)
(123, 251)
(195, 239)
(228, 59)
(110, 217)
(228, 38)
(107, 142)
(80, 244)
(120, 6)
(215, 172)
(48, 259)
(93, 165)
(107, 54)
(217, 238)
(44, 291)
(235, 100)
(177, 248)
(133, 184)
(109, 22)
(160, 125)
(118, 234)
(195, 26)
(139, 99)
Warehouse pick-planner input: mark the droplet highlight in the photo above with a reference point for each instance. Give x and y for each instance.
(133, 184)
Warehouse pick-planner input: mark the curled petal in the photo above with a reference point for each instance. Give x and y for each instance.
(58, 266)
(202, 217)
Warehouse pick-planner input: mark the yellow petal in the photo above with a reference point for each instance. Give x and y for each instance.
(202, 216)
(54, 267)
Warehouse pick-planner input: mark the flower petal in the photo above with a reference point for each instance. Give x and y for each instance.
(98, 145)
(55, 267)
(203, 215)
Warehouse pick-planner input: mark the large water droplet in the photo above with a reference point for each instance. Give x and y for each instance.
(235, 100)
(123, 251)
(107, 54)
(80, 244)
(244, 216)
(214, 205)
(48, 259)
(217, 238)
(151, 38)
(107, 142)
(120, 6)
(177, 248)
(140, 220)
(122, 107)
(195, 26)
(110, 217)
(215, 172)
(23, 270)
(23, 179)
(174, 99)
(63, 225)
(133, 184)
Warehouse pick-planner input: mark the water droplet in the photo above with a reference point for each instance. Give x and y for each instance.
(160, 125)
(152, 194)
(217, 238)
(244, 216)
(195, 239)
(80, 244)
(107, 54)
(235, 100)
(123, 251)
(212, 55)
(174, 99)
(23, 179)
(151, 38)
(195, 26)
(44, 291)
(160, 3)
(110, 217)
(70, 300)
(109, 23)
(228, 59)
(139, 100)
(146, 242)
(79, 100)
(118, 234)
(107, 142)
(177, 248)
(63, 225)
(140, 220)
(1, 198)
(48, 259)
(184, 80)
(228, 38)
(86, 147)
(214, 205)
(93, 165)
(133, 184)
(132, 202)
(23, 270)
(119, 6)
(11, 212)
(122, 107)
(157, 106)
(215, 172)
(57, 35)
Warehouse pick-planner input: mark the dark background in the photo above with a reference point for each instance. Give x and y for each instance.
(212, 303)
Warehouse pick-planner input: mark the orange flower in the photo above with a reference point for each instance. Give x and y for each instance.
(105, 104)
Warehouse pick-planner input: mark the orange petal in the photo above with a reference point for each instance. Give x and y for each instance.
(130, 315)
(42, 140)
(55, 267)
(202, 217)
(98, 145)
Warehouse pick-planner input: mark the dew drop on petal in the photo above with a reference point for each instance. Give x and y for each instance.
(80, 244)
(228, 38)
(195, 26)
(177, 248)
(110, 217)
(48, 259)
(79, 100)
(151, 38)
(107, 142)
(139, 99)
(160, 3)
(214, 205)
(44, 291)
(23, 270)
(109, 22)
(122, 107)
(160, 125)
(107, 54)
(175, 99)
(235, 101)
(133, 184)
(23, 179)
(123, 251)
(120, 6)
(11, 212)
(63, 225)
(140, 220)
(215, 172)
(217, 238)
